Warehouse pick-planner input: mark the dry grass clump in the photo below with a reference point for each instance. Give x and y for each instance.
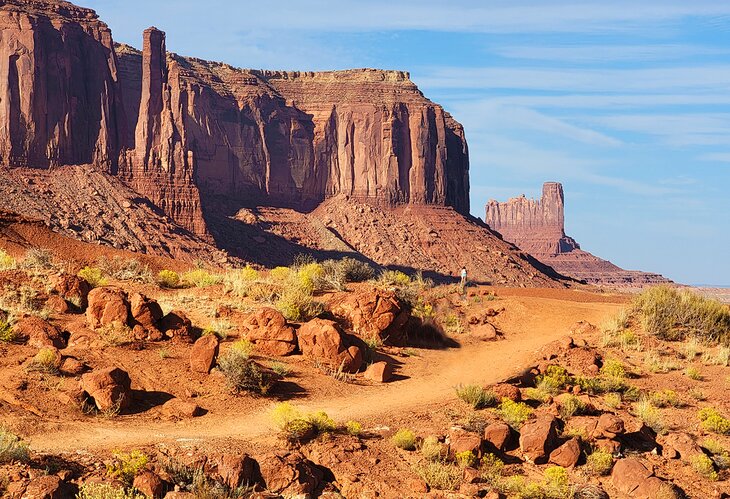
(612, 400)
(712, 420)
(673, 314)
(12, 448)
(353, 428)
(407, 289)
(439, 475)
(125, 269)
(650, 415)
(38, 259)
(719, 357)
(200, 278)
(337, 273)
(168, 279)
(514, 413)
(656, 363)
(555, 485)
(125, 466)
(554, 380)
(452, 324)
(7, 262)
(693, 373)
(666, 398)
(599, 462)
(242, 373)
(476, 396)
(93, 275)
(571, 406)
(404, 439)
(433, 450)
(106, 491)
(46, 361)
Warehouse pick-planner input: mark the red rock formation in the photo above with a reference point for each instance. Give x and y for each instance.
(58, 85)
(538, 227)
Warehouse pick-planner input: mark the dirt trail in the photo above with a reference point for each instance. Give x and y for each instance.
(529, 323)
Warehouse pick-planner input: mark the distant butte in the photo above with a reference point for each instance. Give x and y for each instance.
(538, 228)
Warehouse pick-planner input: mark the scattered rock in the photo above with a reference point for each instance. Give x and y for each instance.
(46, 487)
(177, 326)
(290, 474)
(181, 409)
(538, 439)
(681, 443)
(73, 289)
(460, 440)
(235, 470)
(566, 455)
(39, 333)
(498, 434)
(72, 366)
(628, 474)
(609, 425)
(374, 313)
(149, 484)
(145, 311)
(267, 329)
(110, 388)
(380, 372)
(507, 391)
(484, 332)
(107, 306)
(204, 353)
(321, 339)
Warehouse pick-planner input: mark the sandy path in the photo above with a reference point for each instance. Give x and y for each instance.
(529, 323)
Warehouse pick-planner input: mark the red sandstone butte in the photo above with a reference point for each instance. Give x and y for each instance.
(538, 227)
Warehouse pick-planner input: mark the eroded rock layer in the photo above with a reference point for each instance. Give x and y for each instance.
(538, 227)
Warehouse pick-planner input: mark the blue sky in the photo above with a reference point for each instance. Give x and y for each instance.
(626, 103)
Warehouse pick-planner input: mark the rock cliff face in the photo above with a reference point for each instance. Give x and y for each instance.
(538, 227)
(58, 86)
(283, 138)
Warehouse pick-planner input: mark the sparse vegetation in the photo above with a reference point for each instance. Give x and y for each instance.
(612, 400)
(7, 333)
(168, 279)
(553, 380)
(650, 415)
(432, 449)
(693, 373)
(6, 261)
(12, 448)
(94, 276)
(514, 413)
(655, 363)
(571, 406)
(242, 373)
(491, 468)
(200, 278)
(452, 324)
(476, 396)
(666, 398)
(704, 466)
(712, 420)
(599, 462)
(404, 439)
(465, 459)
(674, 314)
(353, 428)
(125, 466)
(439, 475)
(719, 357)
(106, 491)
(295, 426)
(115, 334)
(38, 259)
(125, 269)
(46, 361)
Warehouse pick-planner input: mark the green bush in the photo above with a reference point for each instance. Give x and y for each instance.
(693, 373)
(296, 426)
(168, 279)
(394, 278)
(93, 275)
(404, 439)
(704, 466)
(243, 374)
(599, 462)
(614, 369)
(553, 380)
(466, 459)
(296, 304)
(612, 400)
(125, 466)
(106, 491)
(712, 420)
(353, 428)
(12, 448)
(674, 314)
(476, 396)
(439, 475)
(666, 398)
(514, 413)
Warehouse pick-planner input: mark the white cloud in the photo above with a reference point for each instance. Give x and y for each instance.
(606, 53)
(720, 157)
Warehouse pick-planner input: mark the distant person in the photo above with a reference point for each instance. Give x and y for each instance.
(463, 279)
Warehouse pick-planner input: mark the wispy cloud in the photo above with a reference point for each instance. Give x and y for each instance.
(719, 157)
(602, 54)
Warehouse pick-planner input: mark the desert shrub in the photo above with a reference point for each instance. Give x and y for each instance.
(592, 385)
(612, 400)
(12, 448)
(45, 361)
(6, 261)
(296, 426)
(125, 466)
(613, 368)
(476, 396)
(514, 413)
(168, 279)
(466, 459)
(296, 304)
(200, 278)
(322, 422)
(393, 278)
(704, 466)
(452, 324)
(692, 348)
(557, 483)
(106, 491)
(553, 380)
(336, 273)
(115, 334)
(656, 364)
(280, 274)
(243, 374)
(38, 259)
(571, 406)
(491, 468)
(439, 475)
(404, 439)
(693, 373)
(617, 324)
(353, 428)
(712, 420)
(535, 394)
(93, 275)
(517, 486)
(308, 276)
(650, 415)
(720, 357)
(432, 449)
(665, 398)
(574, 432)
(674, 314)
(356, 271)
(281, 369)
(7, 333)
(599, 462)
(125, 269)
